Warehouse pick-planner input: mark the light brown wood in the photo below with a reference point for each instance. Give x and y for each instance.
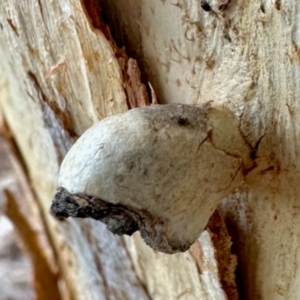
(59, 75)
(245, 57)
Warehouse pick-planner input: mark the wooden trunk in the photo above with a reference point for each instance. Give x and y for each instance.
(65, 65)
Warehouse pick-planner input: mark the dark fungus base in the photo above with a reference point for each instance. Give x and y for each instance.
(119, 219)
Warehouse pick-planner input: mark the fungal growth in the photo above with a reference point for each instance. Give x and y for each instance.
(160, 169)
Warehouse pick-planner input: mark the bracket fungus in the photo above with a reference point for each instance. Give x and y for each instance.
(160, 169)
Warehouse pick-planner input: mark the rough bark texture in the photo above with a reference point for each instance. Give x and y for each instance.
(61, 72)
(21, 208)
(15, 266)
(59, 75)
(245, 55)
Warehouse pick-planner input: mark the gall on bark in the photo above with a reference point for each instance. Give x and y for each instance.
(160, 170)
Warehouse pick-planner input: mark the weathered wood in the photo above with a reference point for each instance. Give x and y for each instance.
(244, 55)
(21, 208)
(59, 75)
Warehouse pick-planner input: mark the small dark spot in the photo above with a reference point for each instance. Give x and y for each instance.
(210, 63)
(205, 6)
(119, 177)
(227, 37)
(198, 59)
(1, 26)
(253, 154)
(278, 4)
(275, 217)
(129, 164)
(178, 83)
(262, 8)
(181, 120)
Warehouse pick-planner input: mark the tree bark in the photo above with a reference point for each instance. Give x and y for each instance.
(63, 68)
